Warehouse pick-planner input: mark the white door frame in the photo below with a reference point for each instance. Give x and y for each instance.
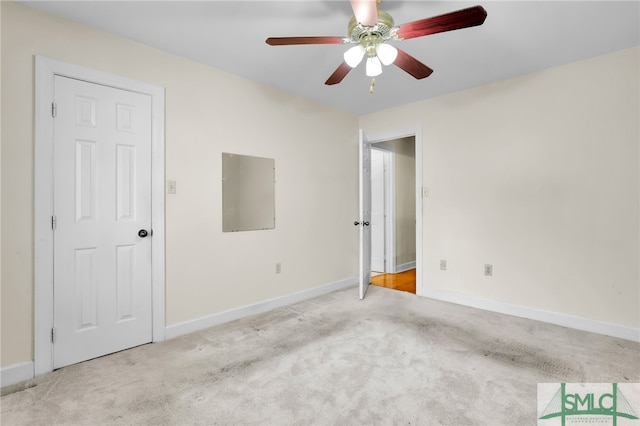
(416, 132)
(46, 70)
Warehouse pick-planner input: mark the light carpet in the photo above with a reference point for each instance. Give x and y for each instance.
(394, 358)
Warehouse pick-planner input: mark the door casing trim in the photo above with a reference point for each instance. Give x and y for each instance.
(416, 132)
(45, 71)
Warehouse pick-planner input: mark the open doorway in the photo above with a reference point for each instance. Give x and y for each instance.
(393, 214)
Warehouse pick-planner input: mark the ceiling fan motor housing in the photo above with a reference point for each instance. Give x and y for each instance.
(371, 36)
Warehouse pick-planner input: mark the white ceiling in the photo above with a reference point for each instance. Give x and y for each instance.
(518, 37)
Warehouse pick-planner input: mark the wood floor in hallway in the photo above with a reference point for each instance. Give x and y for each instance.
(404, 281)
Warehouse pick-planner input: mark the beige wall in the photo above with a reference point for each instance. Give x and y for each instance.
(539, 176)
(207, 112)
(405, 202)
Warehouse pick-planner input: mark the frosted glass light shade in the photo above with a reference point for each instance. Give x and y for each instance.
(374, 67)
(386, 53)
(354, 56)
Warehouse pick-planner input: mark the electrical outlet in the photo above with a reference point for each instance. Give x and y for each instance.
(443, 265)
(278, 268)
(488, 270)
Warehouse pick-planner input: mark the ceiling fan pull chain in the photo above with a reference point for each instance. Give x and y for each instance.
(373, 83)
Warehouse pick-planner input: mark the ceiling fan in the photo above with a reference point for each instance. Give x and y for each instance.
(370, 30)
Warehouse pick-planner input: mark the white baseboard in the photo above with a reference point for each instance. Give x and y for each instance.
(16, 373)
(570, 321)
(256, 308)
(405, 266)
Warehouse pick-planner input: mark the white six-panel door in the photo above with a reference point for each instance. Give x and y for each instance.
(102, 200)
(365, 214)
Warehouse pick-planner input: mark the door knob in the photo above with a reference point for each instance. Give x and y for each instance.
(356, 223)
(142, 233)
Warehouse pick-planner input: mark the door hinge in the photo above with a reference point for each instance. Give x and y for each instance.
(54, 109)
(54, 222)
(53, 335)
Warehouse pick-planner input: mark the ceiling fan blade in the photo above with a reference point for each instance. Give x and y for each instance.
(339, 74)
(463, 18)
(284, 41)
(365, 11)
(411, 65)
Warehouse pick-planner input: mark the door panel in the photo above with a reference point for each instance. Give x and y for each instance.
(378, 207)
(102, 198)
(365, 214)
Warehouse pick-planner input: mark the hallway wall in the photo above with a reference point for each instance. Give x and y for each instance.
(405, 188)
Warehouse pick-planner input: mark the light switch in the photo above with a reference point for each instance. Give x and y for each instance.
(171, 187)
(425, 191)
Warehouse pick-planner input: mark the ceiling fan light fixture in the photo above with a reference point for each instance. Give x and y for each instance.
(374, 67)
(370, 36)
(386, 53)
(354, 56)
